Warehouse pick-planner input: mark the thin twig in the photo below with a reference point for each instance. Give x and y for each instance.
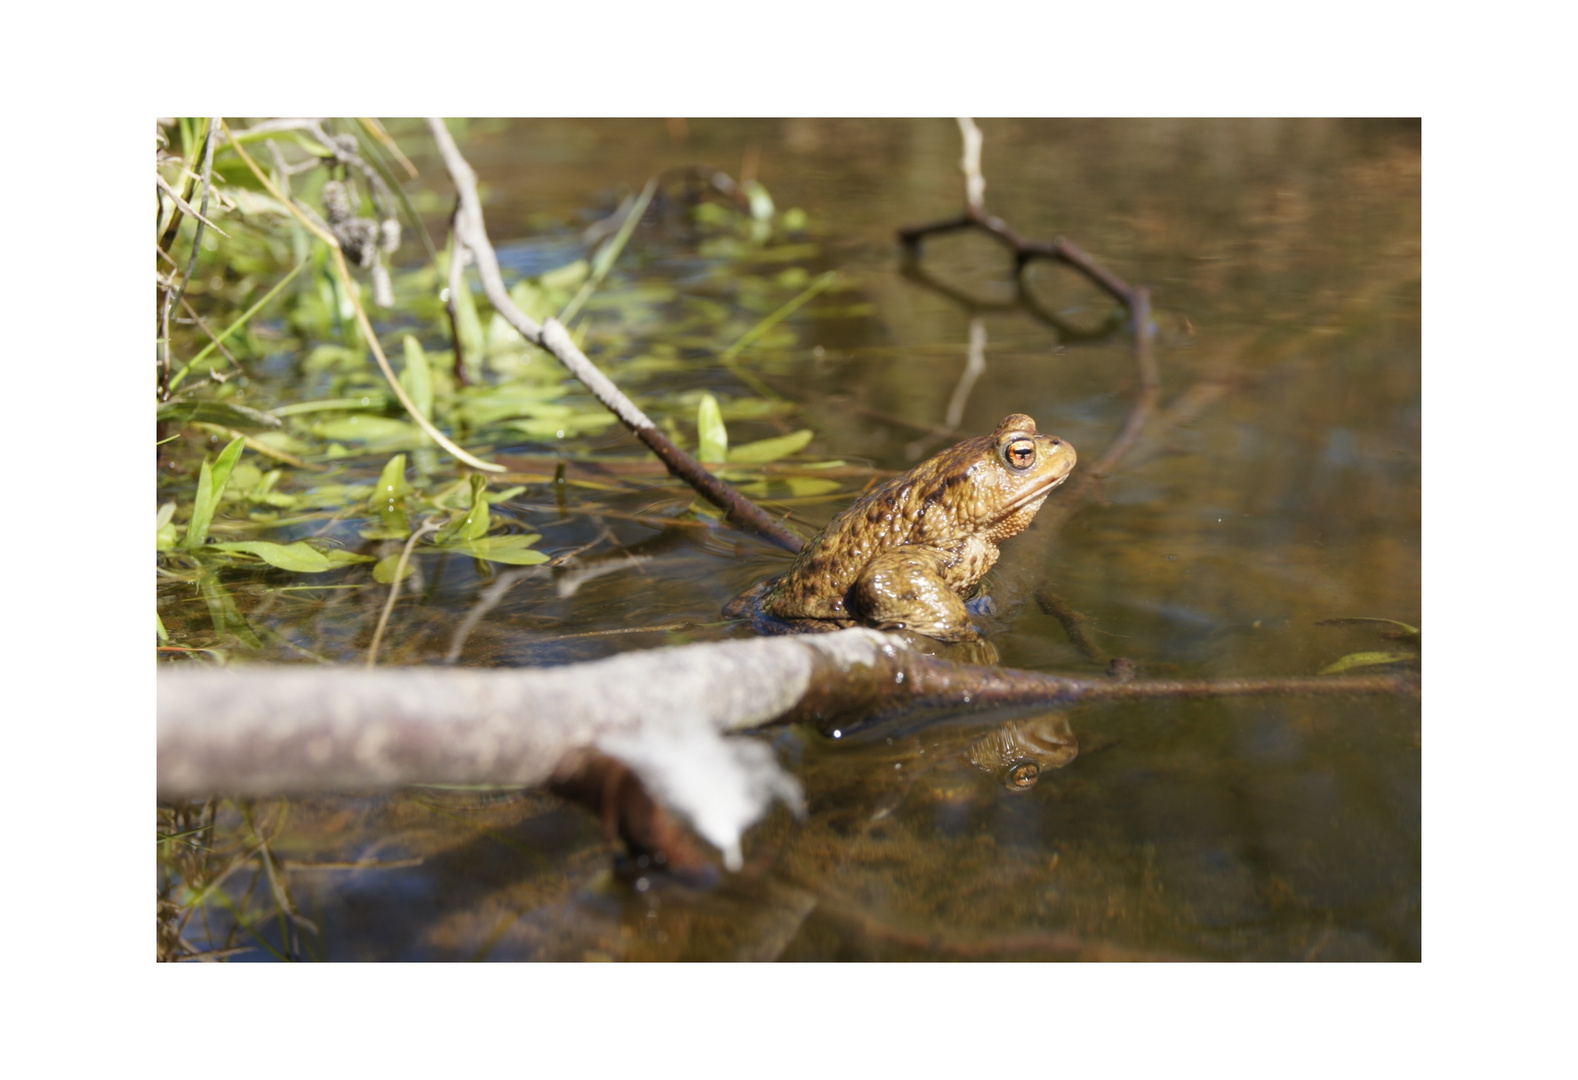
(258, 446)
(372, 124)
(1150, 385)
(556, 340)
(197, 319)
(173, 296)
(239, 323)
(426, 527)
(974, 367)
(970, 165)
(457, 281)
(186, 207)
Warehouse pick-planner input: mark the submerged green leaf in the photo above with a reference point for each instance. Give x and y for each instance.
(367, 429)
(563, 427)
(714, 436)
(514, 550)
(1353, 620)
(1364, 659)
(764, 450)
(475, 524)
(165, 535)
(211, 481)
(300, 557)
(468, 325)
(392, 483)
(384, 571)
(804, 486)
(568, 276)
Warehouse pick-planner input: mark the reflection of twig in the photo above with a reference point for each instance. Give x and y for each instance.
(1150, 385)
(1024, 300)
(974, 367)
(1025, 251)
(970, 165)
(553, 337)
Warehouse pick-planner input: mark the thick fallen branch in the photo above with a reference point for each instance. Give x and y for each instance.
(270, 730)
(552, 336)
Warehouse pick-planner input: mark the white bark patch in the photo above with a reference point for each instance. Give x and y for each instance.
(720, 786)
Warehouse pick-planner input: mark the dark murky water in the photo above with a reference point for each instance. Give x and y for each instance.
(1277, 487)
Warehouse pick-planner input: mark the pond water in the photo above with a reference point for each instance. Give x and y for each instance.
(1276, 488)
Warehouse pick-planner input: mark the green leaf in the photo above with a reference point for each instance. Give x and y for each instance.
(806, 486)
(564, 427)
(367, 429)
(166, 528)
(211, 481)
(417, 378)
(475, 524)
(388, 502)
(764, 450)
(391, 483)
(217, 412)
(300, 557)
(526, 401)
(384, 572)
(515, 550)
(569, 276)
(164, 635)
(1364, 659)
(761, 202)
(714, 436)
(467, 324)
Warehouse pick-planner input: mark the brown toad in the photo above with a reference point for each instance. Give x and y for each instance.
(905, 555)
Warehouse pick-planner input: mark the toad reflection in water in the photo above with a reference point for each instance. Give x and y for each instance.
(1019, 751)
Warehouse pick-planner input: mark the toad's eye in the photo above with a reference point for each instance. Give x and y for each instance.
(1021, 453)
